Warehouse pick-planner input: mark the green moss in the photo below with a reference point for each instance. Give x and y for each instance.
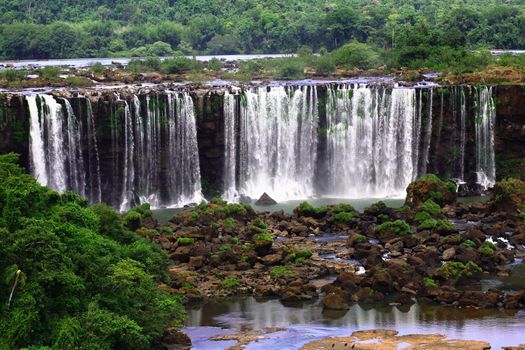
(225, 247)
(342, 218)
(342, 208)
(398, 228)
(263, 238)
(429, 282)
(456, 269)
(468, 244)
(230, 282)
(166, 230)
(280, 271)
(437, 225)
(306, 209)
(422, 216)
(229, 223)
(431, 207)
(185, 241)
(235, 240)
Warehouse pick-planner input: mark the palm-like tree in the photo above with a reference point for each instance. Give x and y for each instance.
(14, 277)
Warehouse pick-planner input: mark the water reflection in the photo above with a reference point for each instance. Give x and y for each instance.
(499, 327)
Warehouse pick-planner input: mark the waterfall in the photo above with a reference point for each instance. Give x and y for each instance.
(278, 142)
(48, 155)
(230, 147)
(56, 153)
(371, 147)
(94, 190)
(77, 174)
(160, 156)
(37, 157)
(484, 130)
(459, 113)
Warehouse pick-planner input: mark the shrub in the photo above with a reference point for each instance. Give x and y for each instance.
(78, 81)
(306, 209)
(456, 269)
(324, 65)
(437, 225)
(431, 207)
(398, 228)
(356, 55)
(218, 201)
(166, 230)
(230, 282)
(185, 241)
(179, 64)
(280, 271)
(342, 218)
(429, 282)
(422, 216)
(468, 244)
(215, 64)
(229, 223)
(342, 208)
(290, 69)
(49, 72)
(133, 220)
(263, 238)
(97, 67)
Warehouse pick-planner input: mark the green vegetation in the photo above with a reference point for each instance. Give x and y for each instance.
(229, 223)
(487, 248)
(429, 282)
(263, 237)
(280, 271)
(74, 277)
(342, 218)
(225, 247)
(456, 269)
(230, 282)
(396, 228)
(468, 244)
(306, 209)
(185, 241)
(436, 225)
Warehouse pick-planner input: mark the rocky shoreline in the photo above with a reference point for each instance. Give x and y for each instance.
(432, 250)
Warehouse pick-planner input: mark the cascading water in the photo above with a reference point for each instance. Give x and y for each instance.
(230, 149)
(278, 142)
(371, 140)
(56, 156)
(161, 160)
(484, 129)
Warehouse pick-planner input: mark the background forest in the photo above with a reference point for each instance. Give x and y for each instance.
(407, 29)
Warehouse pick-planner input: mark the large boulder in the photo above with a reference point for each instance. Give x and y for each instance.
(334, 301)
(174, 339)
(509, 196)
(265, 199)
(430, 187)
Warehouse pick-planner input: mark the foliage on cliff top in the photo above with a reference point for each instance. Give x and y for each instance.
(73, 276)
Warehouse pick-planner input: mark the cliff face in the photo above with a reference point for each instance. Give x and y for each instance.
(112, 125)
(510, 131)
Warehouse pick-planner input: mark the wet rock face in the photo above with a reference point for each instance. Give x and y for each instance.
(265, 199)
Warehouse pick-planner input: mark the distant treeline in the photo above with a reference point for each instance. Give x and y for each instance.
(96, 28)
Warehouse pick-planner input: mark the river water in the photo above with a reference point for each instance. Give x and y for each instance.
(309, 322)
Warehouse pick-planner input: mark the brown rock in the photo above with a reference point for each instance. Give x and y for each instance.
(448, 254)
(334, 301)
(196, 262)
(272, 259)
(174, 339)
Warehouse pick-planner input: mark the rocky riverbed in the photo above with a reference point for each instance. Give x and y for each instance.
(430, 251)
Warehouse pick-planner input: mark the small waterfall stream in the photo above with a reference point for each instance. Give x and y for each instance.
(484, 130)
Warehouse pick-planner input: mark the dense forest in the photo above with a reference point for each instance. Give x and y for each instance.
(74, 276)
(97, 28)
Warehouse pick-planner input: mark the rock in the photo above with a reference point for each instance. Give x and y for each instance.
(512, 300)
(181, 254)
(265, 199)
(174, 339)
(381, 281)
(334, 301)
(423, 189)
(448, 254)
(196, 262)
(272, 259)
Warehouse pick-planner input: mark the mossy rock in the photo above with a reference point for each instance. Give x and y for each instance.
(508, 196)
(430, 187)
